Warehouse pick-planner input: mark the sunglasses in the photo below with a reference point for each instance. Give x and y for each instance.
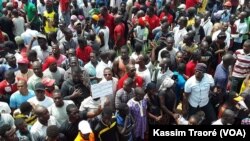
(107, 74)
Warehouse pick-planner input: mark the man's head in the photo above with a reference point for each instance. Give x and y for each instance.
(246, 46)
(228, 59)
(11, 59)
(52, 133)
(107, 116)
(22, 86)
(40, 91)
(197, 21)
(82, 42)
(76, 74)
(23, 65)
(93, 57)
(71, 52)
(55, 49)
(182, 21)
(228, 117)
(73, 61)
(37, 68)
(51, 62)
(58, 99)
(200, 69)
(73, 113)
(123, 109)
(49, 84)
(9, 76)
(108, 74)
(104, 11)
(8, 133)
(139, 93)
(128, 84)
(170, 43)
(131, 71)
(124, 52)
(21, 125)
(42, 114)
(42, 41)
(221, 37)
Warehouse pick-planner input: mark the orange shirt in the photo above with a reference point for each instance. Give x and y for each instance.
(80, 138)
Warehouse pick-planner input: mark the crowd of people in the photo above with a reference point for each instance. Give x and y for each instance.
(171, 62)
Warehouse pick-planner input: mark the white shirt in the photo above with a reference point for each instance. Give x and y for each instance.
(85, 9)
(227, 41)
(217, 122)
(207, 26)
(146, 76)
(242, 28)
(100, 67)
(18, 26)
(105, 32)
(172, 55)
(178, 35)
(28, 36)
(4, 108)
(90, 104)
(46, 102)
(60, 113)
(42, 54)
(38, 131)
(199, 90)
(58, 75)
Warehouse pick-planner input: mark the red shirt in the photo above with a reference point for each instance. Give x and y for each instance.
(190, 68)
(137, 83)
(6, 88)
(153, 22)
(64, 4)
(169, 16)
(191, 3)
(120, 31)
(110, 23)
(84, 53)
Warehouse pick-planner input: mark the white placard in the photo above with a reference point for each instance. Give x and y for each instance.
(102, 89)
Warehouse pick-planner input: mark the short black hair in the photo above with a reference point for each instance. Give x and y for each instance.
(4, 128)
(25, 107)
(69, 107)
(52, 131)
(107, 111)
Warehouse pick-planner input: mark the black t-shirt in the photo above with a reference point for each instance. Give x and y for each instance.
(70, 130)
(106, 135)
(169, 97)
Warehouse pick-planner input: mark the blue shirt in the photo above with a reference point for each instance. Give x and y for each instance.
(180, 84)
(17, 99)
(221, 77)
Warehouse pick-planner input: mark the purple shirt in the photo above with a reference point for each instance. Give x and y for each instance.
(140, 121)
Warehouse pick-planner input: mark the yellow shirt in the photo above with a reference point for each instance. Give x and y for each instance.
(202, 9)
(191, 22)
(80, 138)
(50, 17)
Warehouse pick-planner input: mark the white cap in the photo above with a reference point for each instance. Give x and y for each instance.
(182, 6)
(84, 127)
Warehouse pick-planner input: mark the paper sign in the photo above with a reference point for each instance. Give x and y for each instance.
(102, 89)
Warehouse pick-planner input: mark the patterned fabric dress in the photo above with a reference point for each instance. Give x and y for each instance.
(138, 111)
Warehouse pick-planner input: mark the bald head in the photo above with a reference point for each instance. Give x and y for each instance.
(228, 59)
(39, 110)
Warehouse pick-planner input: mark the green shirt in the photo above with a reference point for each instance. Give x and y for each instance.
(247, 20)
(30, 9)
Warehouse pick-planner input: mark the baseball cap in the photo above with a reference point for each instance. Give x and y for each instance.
(48, 82)
(73, 17)
(228, 3)
(39, 86)
(19, 40)
(182, 6)
(23, 61)
(84, 127)
(95, 17)
(201, 67)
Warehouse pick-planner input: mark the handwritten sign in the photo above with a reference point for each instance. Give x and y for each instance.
(102, 89)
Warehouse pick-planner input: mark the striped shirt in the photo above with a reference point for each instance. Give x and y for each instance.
(242, 64)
